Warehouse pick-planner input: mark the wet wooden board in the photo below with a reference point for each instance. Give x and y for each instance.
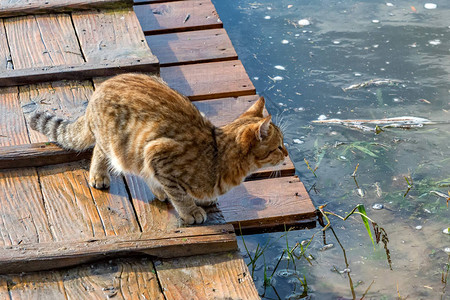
(192, 47)
(177, 16)
(10, 8)
(224, 79)
(180, 242)
(215, 276)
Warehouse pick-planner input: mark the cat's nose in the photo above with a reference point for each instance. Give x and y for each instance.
(284, 151)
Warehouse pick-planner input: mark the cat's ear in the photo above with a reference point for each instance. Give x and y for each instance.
(263, 128)
(256, 110)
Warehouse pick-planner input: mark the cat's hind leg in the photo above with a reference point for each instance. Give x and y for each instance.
(99, 171)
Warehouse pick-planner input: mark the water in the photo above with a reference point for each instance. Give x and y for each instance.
(302, 72)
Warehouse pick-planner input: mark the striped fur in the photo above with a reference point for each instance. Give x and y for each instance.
(69, 135)
(139, 125)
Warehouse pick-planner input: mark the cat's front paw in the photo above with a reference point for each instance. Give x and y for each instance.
(196, 215)
(99, 181)
(208, 202)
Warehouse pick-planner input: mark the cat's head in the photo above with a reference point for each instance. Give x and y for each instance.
(259, 137)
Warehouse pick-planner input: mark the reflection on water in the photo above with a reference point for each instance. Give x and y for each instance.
(403, 174)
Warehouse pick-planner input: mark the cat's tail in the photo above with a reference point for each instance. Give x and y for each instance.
(73, 135)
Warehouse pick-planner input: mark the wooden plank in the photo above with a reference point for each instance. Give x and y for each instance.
(192, 47)
(4, 294)
(215, 276)
(264, 204)
(37, 155)
(209, 80)
(32, 7)
(21, 221)
(77, 71)
(39, 285)
(181, 242)
(112, 36)
(22, 213)
(172, 16)
(132, 278)
(37, 41)
(5, 55)
(76, 211)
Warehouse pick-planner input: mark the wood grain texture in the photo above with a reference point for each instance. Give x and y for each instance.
(37, 155)
(172, 16)
(5, 55)
(209, 80)
(153, 215)
(22, 213)
(10, 8)
(77, 72)
(12, 123)
(176, 243)
(76, 212)
(37, 41)
(111, 36)
(192, 47)
(132, 278)
(67, 99)
(39, 285)
(4, 294)
(215, 276)
(264, 204)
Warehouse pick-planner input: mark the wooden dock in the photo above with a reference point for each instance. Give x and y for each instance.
(53, 53)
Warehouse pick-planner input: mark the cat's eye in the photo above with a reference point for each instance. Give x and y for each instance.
(281, 148)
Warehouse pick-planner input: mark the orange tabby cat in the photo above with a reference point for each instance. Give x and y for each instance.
(140, 125)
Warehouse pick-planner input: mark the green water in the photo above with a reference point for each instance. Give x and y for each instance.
(347, 43)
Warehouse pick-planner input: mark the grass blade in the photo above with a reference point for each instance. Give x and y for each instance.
(362, 210)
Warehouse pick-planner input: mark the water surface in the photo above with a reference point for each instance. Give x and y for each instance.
(302, 71)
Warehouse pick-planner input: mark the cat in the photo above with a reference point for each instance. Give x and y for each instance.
(139, 125)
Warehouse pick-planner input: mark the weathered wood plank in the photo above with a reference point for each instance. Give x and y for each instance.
(5, 55)
(112, 36)
(10, 8)
(77, 71)
(209, 80)
(133, 278)
(75, 211)
(176, 243)
(215, 276)
(37, 41)
(22, 213)
(4, 294)
(264, 204)
(39, 285)
(12, 125)
(173, 16)
(37, 155)
(192, 47)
